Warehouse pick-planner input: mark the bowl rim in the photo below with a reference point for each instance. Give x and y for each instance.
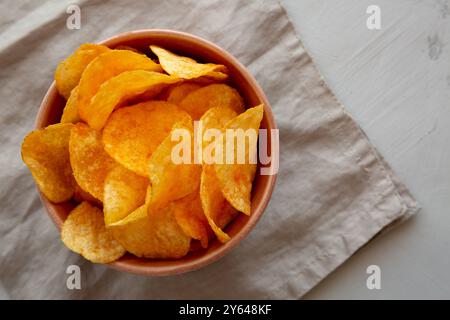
(257, 212)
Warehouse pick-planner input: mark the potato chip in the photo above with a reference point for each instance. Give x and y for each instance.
(216, 119)
(190, 217)
(133, 133)
(217, 210)
(124, 192)
(84, 232)
(179, 92)
(236, 179)
(171, 168)
(90, 163)
(187, 68)
(46, 153)
(68, 72)
(121, 88)
(105, 67)
(79, 195)
(158, 236)
(70, 112)
(124, 47)
(215, 95)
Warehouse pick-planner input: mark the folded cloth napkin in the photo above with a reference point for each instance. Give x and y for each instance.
(334, 191)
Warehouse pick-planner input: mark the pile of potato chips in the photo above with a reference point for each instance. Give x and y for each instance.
(111, 153)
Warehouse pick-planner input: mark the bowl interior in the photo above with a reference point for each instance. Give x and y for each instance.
(51, 109)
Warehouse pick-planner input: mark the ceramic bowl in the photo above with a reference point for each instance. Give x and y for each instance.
(186, 44)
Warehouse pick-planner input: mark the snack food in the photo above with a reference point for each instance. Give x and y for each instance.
(84, 232)
(188, 68)
(236, 179)
(69, 71)
(46, 153)
(129, 153)
(70, 112)
(132, 133)
(105, 67)
(89, 161)
(212, 96)
(124, 191)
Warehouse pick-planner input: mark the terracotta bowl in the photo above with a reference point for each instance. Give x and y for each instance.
(51, 109)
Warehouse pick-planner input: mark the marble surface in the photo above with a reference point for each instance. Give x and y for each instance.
(395, 82)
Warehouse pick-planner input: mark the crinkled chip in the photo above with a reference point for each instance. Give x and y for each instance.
(236, 179)
(70, 112)
(157, 236)
(187, 68)
(179, 92)
(68, 72)
(215, 95)
(172, 171)
(190, 217)
(210, 128)
(84, 232)
(46, 153)
(105, 67)
(90, 163)
(121, 88)
(216, 208)
(124, 192)
(133, 133)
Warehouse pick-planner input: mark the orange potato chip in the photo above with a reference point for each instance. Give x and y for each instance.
(105, 67)
(121, 88)
(190, 217)
(124, 192)
(124, 47)
(79, 195)
(84, 232)
(133, 133)
(217, 210)
(46, 153)
(236, 179)
(171, 168)
(214, 118)
(68, 72)
(90, 163)
(187, 68)
(215, 95)
(70, 112)
(179, 92)
(157, 236)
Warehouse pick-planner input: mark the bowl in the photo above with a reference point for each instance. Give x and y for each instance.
(50, 112)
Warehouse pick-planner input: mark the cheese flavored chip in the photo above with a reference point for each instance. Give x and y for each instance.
(187, 68)
(179, 92)
(157, 236)
(191, 218)
(236, 178)
(125, 86)
(213, 96)
(90, 163)
(105, 67)
(216, 208)
(172, 171)
(46, 153)
(70, 112)
(69, 71)
(210, 128)
(124, 192)
(84, 232)
(133, 133)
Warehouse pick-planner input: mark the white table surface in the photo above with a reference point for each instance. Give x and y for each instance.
(396, 84)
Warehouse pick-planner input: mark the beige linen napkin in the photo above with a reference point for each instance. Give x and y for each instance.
(334, 191)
